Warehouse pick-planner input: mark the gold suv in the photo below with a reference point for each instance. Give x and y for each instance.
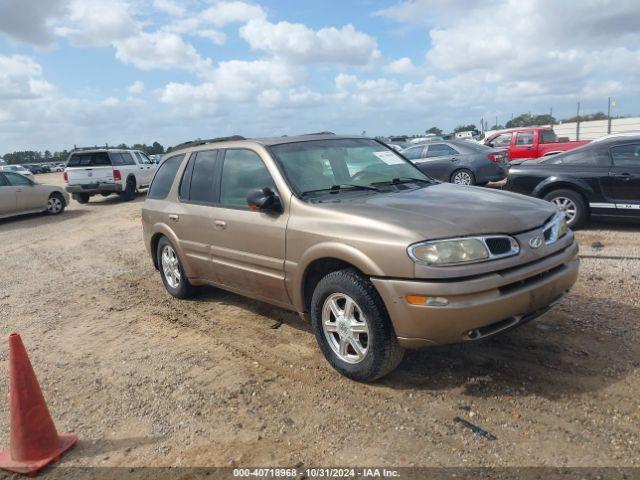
(380, 256)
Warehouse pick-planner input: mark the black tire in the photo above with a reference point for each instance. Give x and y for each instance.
(81, 197)
(129, 192)
(183, 289)
(384, 353)
(463, 171)
(58, 206)
(582, 211)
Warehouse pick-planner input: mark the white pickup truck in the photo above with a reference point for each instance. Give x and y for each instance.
(93, 171)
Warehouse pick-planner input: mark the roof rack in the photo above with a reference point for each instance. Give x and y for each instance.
(98, 147)
(195, 143)
(316, 133)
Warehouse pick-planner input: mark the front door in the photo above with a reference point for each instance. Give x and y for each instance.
(7, 197)
(440, 162)
(249, 246)
(522, 145)
(622, 185)
(28, 197)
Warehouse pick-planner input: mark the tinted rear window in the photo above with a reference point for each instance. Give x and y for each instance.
(96, 159)
(123, 158)
(164, 177)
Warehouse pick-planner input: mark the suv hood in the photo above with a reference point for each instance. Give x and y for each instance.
(445, 210)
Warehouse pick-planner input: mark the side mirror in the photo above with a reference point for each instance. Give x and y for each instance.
(264, 200)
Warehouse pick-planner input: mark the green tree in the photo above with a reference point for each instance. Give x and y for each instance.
(464, 128)
(434, 130)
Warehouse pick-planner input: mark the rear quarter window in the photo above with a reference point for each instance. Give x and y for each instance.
(163, 180)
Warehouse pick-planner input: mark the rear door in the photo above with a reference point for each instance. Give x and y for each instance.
(249, 246)
(441, 160)
(7, 197)
(522, 145)
(623, 182)
(89, 169)
(148, 168)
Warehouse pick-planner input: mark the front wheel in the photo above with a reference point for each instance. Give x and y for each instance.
(171, 271)
(352, 327)
(463, 177)
(55, 204)
(571, 203)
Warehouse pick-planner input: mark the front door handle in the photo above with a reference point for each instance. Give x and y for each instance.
(623, 176)
(220, 224)
(174, 217)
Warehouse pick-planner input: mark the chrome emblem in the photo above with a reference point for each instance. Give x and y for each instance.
(535, 242)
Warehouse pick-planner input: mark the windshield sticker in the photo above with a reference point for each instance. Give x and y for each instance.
(389, 158)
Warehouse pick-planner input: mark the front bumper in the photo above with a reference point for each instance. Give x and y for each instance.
(93, 188)
(481, 306)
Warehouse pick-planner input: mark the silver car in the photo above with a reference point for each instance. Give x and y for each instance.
(17, 169)
(20, 195)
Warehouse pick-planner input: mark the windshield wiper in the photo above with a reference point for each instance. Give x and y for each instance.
(400, 180)
(342, 186)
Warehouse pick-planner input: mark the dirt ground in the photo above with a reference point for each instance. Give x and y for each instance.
(147, 380)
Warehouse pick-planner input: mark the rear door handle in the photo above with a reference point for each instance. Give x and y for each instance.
(220, 224)
(174, 217)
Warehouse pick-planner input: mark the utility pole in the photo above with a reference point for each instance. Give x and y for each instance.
(578, 122)
(609, 115)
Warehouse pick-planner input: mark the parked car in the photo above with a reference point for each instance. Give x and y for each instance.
(380, 256)
(93, 171)
(533, 142)
(35, 169)
(20, 195)
(17, 169)
(45, 168)
(57, 168)
(601, 179)
(460, 162)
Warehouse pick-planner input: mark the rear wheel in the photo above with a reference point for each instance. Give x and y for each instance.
(463, 177)
(55, 204)
(571, 203)
(171, 271)
(129, 192)
(82, 197)
(352, 327)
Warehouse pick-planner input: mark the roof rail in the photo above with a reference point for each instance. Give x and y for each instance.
(99, 147)
(195, 143)
(316, 133)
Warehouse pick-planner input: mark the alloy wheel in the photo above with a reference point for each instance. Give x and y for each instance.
(568, 206)
(462, 178)
(54, 205)
(171, 266)
(345, 328)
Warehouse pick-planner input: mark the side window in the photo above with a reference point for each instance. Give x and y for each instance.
(524, 138)
(16, 180)
(242, 170)
(3, 182)
(581, 157)
(626, 155)
(413, 153)
(502, 140)
(440, 150)
(548, 136)
(203, 177)
(164, 177)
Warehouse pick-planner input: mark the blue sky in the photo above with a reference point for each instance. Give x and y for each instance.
(87, 72)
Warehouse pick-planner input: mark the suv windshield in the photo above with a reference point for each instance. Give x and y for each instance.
(319, 165)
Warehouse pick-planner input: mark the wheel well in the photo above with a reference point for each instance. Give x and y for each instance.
(132, 178)
(154, 248)
(564, 186)
(315, 272)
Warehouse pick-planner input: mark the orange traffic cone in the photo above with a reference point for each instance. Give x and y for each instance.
(34, 440)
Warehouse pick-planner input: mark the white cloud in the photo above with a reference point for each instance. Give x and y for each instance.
(298, 43)
(170, 7)
(223, 13)
(161, 50)
(21, 78)
(217, 37)
(402, 66)
(136, 87)
(91, 23)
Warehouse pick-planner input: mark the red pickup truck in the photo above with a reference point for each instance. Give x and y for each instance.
(532, 142)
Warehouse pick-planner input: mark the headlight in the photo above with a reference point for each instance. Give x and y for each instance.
(556, 228)
(444, 252)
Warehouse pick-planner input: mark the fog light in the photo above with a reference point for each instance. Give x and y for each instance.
(428, 301)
